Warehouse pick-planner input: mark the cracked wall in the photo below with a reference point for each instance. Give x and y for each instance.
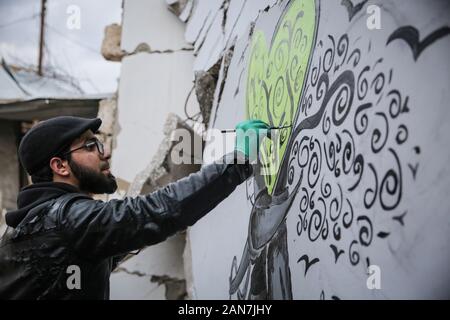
(362, 180)
(155, 83)
(361, 188)
(155, 273)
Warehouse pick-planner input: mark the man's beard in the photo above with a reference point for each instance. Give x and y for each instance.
(91, 181)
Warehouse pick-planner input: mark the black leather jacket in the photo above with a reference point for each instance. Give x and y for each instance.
(73, 229)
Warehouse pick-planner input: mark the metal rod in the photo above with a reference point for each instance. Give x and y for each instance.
(41, 38)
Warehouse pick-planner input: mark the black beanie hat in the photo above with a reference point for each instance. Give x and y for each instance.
(46, 139)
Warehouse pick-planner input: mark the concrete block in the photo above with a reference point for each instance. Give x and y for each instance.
(107, 112)
(181, 8)
(162, 170)
(111, 43)
(205, 86)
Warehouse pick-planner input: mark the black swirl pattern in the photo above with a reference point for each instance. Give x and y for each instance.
(358, 114)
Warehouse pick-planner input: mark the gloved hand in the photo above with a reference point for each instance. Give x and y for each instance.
(249, 134)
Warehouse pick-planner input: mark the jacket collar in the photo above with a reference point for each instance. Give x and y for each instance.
(36, 194)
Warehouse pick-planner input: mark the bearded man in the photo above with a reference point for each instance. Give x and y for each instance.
(59, 225)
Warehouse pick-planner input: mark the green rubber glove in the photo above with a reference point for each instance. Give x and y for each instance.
(249, 134)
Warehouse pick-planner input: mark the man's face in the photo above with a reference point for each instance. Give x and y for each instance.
(91, 168)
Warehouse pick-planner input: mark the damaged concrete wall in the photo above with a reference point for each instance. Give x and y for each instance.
(162, 169)
(111, 49)
(155, 273)
(151, 86)
(156, 80)
(357, 207)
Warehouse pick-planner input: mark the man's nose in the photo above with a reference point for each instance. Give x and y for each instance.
(107, 153)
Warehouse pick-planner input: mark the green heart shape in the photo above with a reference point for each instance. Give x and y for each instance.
(275, 79)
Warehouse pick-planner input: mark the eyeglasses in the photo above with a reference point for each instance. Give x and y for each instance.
(89, 145)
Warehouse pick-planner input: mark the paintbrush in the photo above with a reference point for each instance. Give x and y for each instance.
(270, 128)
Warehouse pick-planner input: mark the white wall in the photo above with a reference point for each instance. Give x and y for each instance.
(400, 205)
(152, 84)
(298, 238)
(132, 280)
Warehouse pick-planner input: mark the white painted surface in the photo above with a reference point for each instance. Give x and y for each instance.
(221, 28)
(215, 239)
(163, 259)
(151, 86)
(414, 258)
(202, 16)
(9, 90)
(152, 23)
(210, 49)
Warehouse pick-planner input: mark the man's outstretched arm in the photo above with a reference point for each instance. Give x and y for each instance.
(99, 229)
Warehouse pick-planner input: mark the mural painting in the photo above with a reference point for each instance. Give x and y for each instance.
(346, 159)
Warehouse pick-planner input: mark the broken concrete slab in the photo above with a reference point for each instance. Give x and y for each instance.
(175, 288)
(180, 8)
(223, 74)
(215, 21)
(202, 16)
(212, 46)
(228, 95)
(205, 86)
(162, 170)
(107, 112)
(241, 14)
(232, 91)
(111, 50)
(187, 11)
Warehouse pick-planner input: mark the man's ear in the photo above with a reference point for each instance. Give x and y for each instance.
(60, 167)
